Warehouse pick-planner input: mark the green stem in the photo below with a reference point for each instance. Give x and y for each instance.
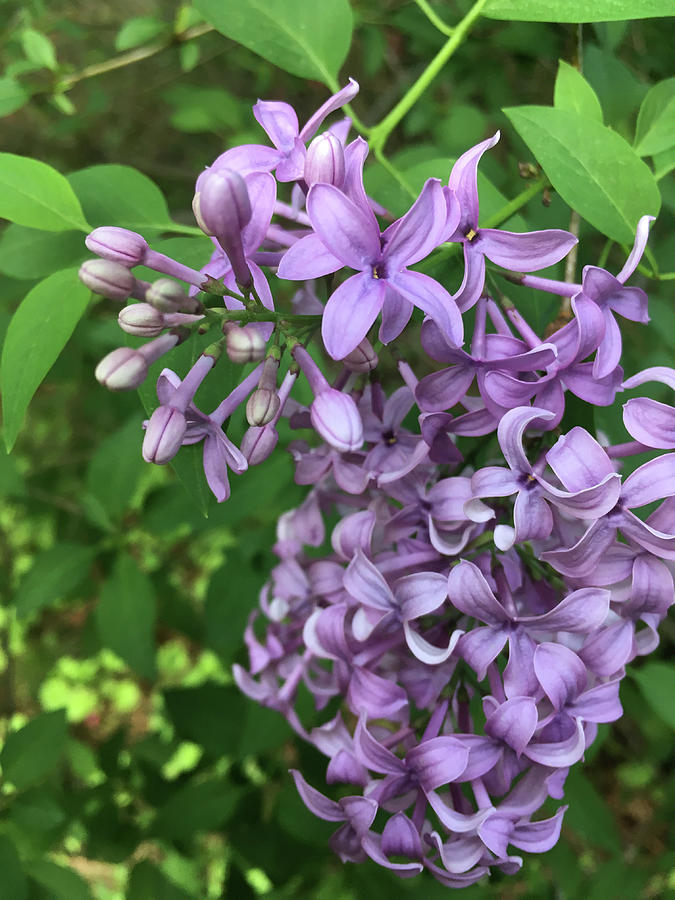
(391, 168)
(380, 133)
(434, 18)
(266, 315)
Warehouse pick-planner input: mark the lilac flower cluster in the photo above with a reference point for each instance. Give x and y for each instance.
(466, 624)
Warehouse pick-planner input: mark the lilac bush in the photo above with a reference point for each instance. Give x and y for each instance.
(465, 582)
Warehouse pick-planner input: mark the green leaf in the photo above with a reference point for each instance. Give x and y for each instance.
(188, 55)
(589, 815)
(32, 752)
(114, 471)
(305, 38)
(29, 253)
(119, 195)
(38, 48)
(576, 10)
(593, 168)
(126, 614)
(198, 109)
(211, 715)
(37, 333)
(137, 31)
(13, 884)
(657, 683)
(13, 96)
(197, 807)
(55, 574)
(34, 194)
(147, 881)
(655, 130)
(37, 810)
(61, 883)
(574, 93)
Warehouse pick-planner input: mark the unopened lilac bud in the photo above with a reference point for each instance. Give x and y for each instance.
(110, 279)
(141, 319)
(258, 443)
(118, 245)
(164, 435)
(335, 417)
(245, 344)
(362, 358)
(122, 370)
(325, 161)
(262, 406)
(166, 295)
(223, 209)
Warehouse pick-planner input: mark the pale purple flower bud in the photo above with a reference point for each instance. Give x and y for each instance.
(110, 279)
(325, 161)
(118, 245)
(167, 295)
(164, 435)
(223, 209)
(362, 358)
(245, 344)
(122, 370)
(335, 417)
(125, 368)
(141, 319)
(262, 406)
(258, 443)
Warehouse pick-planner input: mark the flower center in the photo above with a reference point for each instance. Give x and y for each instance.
(471, 234)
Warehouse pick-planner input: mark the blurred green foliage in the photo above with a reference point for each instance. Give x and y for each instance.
(131, 765)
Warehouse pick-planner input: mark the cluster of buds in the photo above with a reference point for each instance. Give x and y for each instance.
(477, 603)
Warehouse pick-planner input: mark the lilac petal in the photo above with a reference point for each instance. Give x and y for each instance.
(308, 258)
(396, 313)
(460, 823)
(447, 498)
(650, 422)
(244, 159)
(324, 632)
(397, 407)
(218, 451)
(438, 761)
(606, 651)
(336, 101)
(372, 846)
(492, 481)
(360, 812)
(474, 278)
(420, 230)
(262, 192)
(495, 833)
(350, 232)
(292, 166)
(510, 435)
(167, 383)
(481, 646)
(658, 543)
(600, 704)
(532, 515)
(377, 697)
(316, 802)
(608, 355)
(598, 391)
(652, 587)
(373, 755)
(513, 722)
(279, 121)
(526, 252)
(501, 391)
(580, 560)
(581, 611)
(641, 235)
(470, 593)
(436, 346)
(560, 672)
(350, 477)
(428, 653)
(484, 754)
(463, 181)
(578, 460)
(442, 390)
(349, 313)
(364, 583)
(261, 285)
(420, 594)
(459, 855)
(519, 676)
(344, 769)
(353, 533)
(539, 358)
(432, 299)
(664, 374)
(590, 503)
(401, 838)
(559, 754)
(538, 837)
(355, 156)
(652, 481)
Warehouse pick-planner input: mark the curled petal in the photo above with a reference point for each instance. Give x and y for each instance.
(526, 252)
(280, 122)
(560, 672)
(650, 422)
(336, 101)
(316, 802)
(470, 593)
(438, 761)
